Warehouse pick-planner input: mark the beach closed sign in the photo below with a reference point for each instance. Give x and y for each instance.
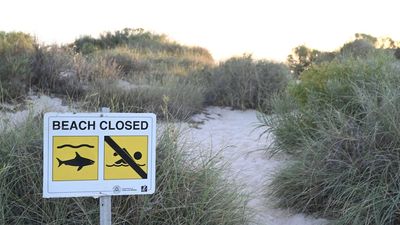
(97, 154)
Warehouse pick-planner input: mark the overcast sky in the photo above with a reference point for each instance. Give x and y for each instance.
(265, 28)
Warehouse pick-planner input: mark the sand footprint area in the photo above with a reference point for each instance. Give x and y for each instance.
(235, 136)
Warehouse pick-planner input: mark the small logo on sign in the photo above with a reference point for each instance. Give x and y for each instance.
(116, 189)
(144, 188)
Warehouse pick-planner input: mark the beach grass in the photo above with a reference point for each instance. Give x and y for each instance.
(339, 124)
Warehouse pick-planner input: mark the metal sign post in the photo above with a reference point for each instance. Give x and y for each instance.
(105, 210)
(105, 201)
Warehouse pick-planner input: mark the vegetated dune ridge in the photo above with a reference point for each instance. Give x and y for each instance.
(234, 133)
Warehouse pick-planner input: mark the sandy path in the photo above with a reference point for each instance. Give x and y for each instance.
(33, 106)
(233, 133)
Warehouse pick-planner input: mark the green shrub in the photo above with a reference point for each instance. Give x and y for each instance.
(16, 51)
(128, 60)
(244, 83)
(302, 57)
(331, 82)
(87, 45)
(53, 69)
(341, 126)
(357, 48)
(59, 70)
(187, 192)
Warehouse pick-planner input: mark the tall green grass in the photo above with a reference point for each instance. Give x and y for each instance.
(340, 124)
(187, 192)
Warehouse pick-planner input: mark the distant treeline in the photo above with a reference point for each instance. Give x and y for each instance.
(303, 57)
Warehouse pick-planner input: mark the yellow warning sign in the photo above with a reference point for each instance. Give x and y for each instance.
(125, 157)
(75, 158)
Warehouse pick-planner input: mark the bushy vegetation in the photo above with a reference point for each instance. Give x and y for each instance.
(60, 71)
(135, 39)
(340, 124)
(182, 98)
(16, 51)
(303, 57)
(152, 69)
(135, 71)
(243, 83)
(187, 192)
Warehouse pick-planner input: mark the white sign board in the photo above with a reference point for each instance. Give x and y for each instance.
(98, 154)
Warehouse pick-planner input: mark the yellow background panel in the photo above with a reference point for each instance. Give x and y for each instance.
(114, 168)
(68, 169)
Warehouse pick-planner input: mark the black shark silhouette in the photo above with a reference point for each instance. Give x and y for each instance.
(78, 161)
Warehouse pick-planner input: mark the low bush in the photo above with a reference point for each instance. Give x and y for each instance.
(357, 48)
(340, 124)
(331, 83)
(59, 70)
(241, 82)
(182, 98)
(16, 51)
(187, 192)
(128, 60)
(147, 65)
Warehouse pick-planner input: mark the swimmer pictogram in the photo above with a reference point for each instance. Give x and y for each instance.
(126, 158)
(137, 155)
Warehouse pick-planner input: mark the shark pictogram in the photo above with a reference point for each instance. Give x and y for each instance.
(78, 161)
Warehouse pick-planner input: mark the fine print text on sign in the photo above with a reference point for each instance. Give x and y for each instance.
(96, 154)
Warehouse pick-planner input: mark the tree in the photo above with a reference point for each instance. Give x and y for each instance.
(301, 58)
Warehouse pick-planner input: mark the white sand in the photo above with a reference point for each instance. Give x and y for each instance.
(233, 133)
(33, 106)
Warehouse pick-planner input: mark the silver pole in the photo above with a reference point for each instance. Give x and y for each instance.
(105, 210)
(105, 201)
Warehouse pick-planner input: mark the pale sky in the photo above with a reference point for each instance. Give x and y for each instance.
(265, 28)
